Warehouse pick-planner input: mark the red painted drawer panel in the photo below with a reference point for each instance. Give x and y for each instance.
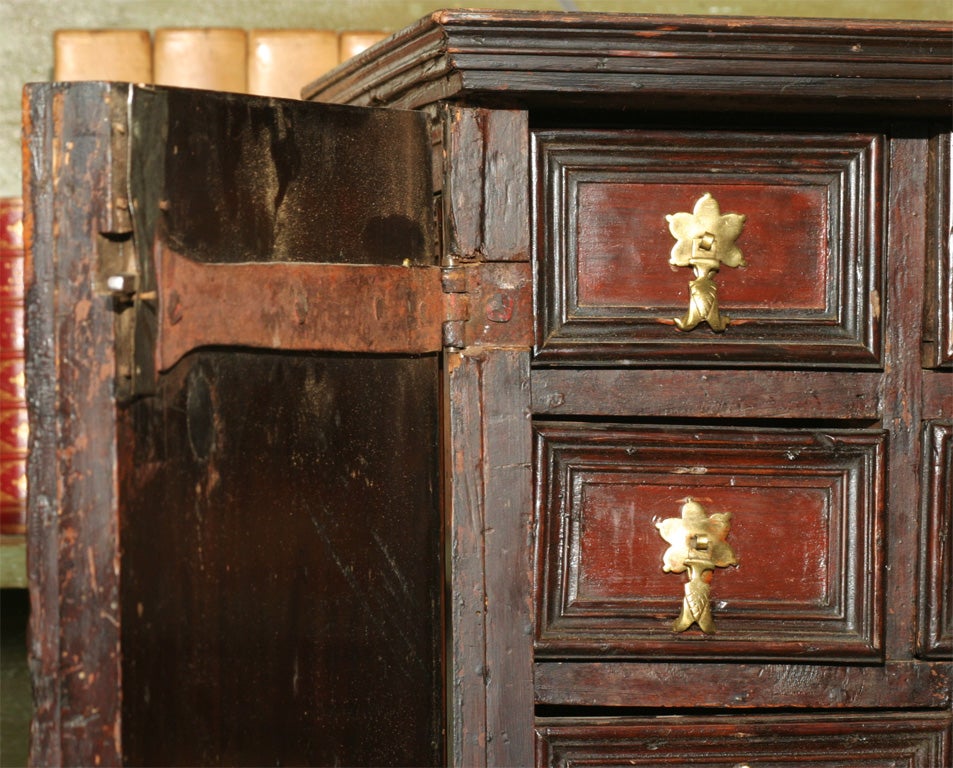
(809, 291)
(806, 520)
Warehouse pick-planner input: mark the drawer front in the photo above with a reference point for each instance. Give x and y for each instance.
(822, 741)
(938, 319)
(935, 637)
(803, 287)
(804, 533)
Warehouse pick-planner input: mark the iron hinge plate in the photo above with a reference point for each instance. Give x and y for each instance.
(320, 307)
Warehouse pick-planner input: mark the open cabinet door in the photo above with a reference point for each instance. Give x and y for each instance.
(233, 376)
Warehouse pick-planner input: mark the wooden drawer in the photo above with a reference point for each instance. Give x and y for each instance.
(810, 292)
(824, 740)
(805, 530)
(935, 637)
(938, 308)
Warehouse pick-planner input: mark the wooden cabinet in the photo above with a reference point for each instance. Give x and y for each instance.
(555, 389)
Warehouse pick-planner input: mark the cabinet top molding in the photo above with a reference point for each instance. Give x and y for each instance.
(713, 63)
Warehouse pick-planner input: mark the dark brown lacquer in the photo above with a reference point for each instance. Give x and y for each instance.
(73, 501)
(874, 741)
(257, 534)
(938, 316)
(808, 291)
(935, 635)
(369, 436)
(278, 578)
(805, 528)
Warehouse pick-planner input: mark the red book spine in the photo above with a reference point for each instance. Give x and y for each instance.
(13, 417)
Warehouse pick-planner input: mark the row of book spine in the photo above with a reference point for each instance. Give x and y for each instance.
(13, 416)
(266, 62)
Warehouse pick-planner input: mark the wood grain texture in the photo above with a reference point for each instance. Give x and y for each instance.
(805, 528)
(903, 378)
(281, 571)
(812, 240)
(706, 393)
(938, 305)
(73, 502)
(465, 521)
(628, 61)
(935, 596)
(489, 517)
(274, 582)
(829, 741)
(745, 686)
(486, 204)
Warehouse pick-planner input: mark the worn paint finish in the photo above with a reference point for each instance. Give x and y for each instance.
(73, 503)
(920, 739)
(279, 574)
(645, 62)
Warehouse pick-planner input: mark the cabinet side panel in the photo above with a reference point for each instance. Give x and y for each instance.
(72, 504)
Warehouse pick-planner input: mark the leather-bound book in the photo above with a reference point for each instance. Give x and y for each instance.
(13, 416)
(102, 54)
(282, 61)
(201, 57)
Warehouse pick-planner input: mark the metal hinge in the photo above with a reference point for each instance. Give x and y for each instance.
(488, 304)
(320, 307)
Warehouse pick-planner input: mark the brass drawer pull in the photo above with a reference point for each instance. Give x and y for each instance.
(698, 546)
(705, 239)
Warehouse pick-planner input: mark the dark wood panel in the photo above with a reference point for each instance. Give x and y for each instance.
(489, 518)
(652, 62)
(281, 570)
(281, 567)
(318, 189)
(806, 521)
(810, 291)
(723, 686)
(937, 394)
(488, 438)
(278, 572)
(935, 634)
(486, 205)
(903, 380)
(883, 740)
(706, 394)
(938, 304)
(72, 498)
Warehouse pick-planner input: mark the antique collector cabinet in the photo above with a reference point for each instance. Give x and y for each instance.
(578, 393)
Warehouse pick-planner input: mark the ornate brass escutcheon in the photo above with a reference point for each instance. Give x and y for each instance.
(705, 239)
(698, 546)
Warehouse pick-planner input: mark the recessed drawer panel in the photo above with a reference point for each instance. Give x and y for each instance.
(938, 315)
(712, 544)
(708, 248)
(935, 637)
(822, 741)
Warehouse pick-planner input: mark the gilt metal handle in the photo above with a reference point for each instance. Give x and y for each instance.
(698, 546)
(705, 239)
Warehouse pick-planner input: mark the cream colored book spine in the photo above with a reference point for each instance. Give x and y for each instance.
(211, 58)
(282, 61)
(123, 55)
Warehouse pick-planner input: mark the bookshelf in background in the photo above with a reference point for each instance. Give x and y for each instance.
(13, 417)
(266, 62)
